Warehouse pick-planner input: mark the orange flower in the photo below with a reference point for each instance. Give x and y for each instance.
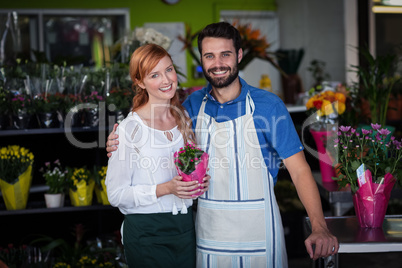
(327, 102)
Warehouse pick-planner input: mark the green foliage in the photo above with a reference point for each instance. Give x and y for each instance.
(373, 148)
(188, 157)
(13, 256)
(376, 83)
(317, 70)
(80, 253)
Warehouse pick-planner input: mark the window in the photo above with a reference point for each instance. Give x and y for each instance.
(76, 36)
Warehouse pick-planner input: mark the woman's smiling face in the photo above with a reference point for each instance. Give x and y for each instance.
(161, 81)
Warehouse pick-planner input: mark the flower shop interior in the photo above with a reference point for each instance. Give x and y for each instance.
(64, 83)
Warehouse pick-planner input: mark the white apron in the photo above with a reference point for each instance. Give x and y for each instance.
(238, 223)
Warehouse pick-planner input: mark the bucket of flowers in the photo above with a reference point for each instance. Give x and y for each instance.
(370, 165)
(191, 163)
(81, 186)
(15, 175)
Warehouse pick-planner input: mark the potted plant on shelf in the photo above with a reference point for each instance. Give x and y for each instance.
(99, 175)
(46, 108)
(376, 84)
(93, 111)
(4, 106)
(81, 186)
(15, 175)
(56, 179)
(22, 110)
(119, 95)
(118, 103)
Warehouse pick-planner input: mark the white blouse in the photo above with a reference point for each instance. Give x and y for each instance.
(143, 159)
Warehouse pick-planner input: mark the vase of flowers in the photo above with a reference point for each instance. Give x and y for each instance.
(57, 180)
(100, 187)
(191, 163)
(15, 175)
(371, 166)
(81, 187)
(325, 107)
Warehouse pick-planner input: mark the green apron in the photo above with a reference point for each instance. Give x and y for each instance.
(159, 240)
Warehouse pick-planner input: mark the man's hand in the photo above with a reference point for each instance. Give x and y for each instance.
(325, 244)
(112, 141)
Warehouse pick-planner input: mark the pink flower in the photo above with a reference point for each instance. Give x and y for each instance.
(384, 131)
(344, 128)
(375, 126)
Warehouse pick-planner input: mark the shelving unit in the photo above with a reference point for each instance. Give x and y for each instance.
(16, 226)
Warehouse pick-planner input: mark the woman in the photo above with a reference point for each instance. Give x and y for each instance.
(158, 227)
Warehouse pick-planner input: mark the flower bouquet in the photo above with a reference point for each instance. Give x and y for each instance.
(326, 106)
(371, 166)
(191, 163)
(81, 187)
(324, 109)
(15, 175)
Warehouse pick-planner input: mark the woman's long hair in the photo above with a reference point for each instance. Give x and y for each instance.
(143, 60)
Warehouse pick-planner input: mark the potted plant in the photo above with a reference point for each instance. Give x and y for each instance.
(22, 110)
(15, 175)
(376, 84)
(4, 106)
(46, 108)
(56, 179)
(81, 186)
(93, 110)
(99, 175)
(370, 165)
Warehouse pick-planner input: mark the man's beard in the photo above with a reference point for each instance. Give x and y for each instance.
(223, 81)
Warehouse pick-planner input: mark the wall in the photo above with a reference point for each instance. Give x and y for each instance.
(195, 13)
(323, 30)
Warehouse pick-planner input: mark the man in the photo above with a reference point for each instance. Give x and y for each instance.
(247, 133)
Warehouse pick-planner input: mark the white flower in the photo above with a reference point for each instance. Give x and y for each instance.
(151, 36)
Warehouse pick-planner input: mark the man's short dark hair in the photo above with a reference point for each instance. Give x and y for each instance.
(220, 30)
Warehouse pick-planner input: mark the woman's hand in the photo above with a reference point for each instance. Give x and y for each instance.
(112, 141)
(181, 189)
(205, 184)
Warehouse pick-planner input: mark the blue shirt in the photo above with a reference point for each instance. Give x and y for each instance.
(276, 133)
